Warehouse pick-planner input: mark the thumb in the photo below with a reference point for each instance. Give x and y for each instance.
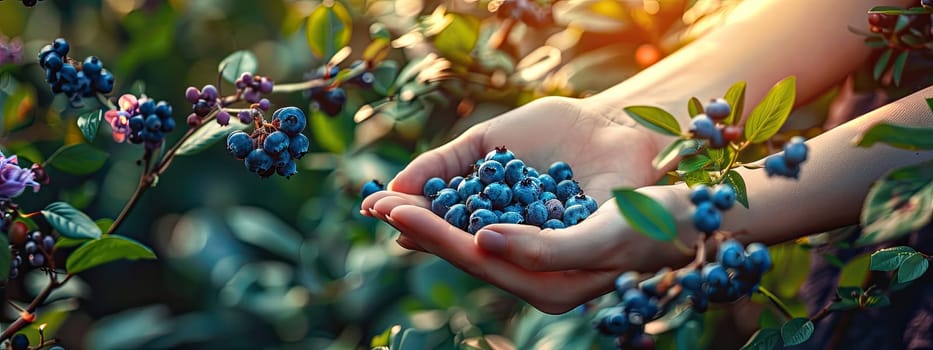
(447, 161)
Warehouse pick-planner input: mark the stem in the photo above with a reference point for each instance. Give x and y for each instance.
(20, 323)
(819, 315)
(305, 85)
(104, 101)
(777, 302)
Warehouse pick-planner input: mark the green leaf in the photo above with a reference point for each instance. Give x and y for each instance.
(899, 67)
(236, 64)
(791, 268)
(384, 77)
(457, 40)
(889, 259)
(694, 107)
(107, 249)
(6, 257)
(89, 123)
(328, 29)
(764, 339)
(78, 159)
(679, 147)
(855, 271)
(738, 184)
(207, 135)
(898, 204)
(655, 119)
(796, 331)
(70, 222)
(65, 242)
(697, 177)
(900, 136)
(912, 268)
(693, 163)
(736, 97)
(769, 115)
(894, 10)
(882, 64)
(645, 214)
(413, 338)
(332, 133)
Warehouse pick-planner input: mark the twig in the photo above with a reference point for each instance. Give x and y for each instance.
(776, 301)
(20, 322)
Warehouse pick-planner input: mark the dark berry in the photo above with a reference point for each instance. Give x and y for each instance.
(588, 202)
(432, 186)
(555, 209)
(574, 214)
(514, 171)
(53, 62)
(371, 187)
(258, 161)
(554, 224)
(288, 169)
(491, 171)
(60, 46)
(298, 146)
(511, 218)
(20, 341)
(718, 109)
(758, 258)
(48, 243)
(18, 233)
(291, 120)
(501, 155)
(478, 201)
(731, 133)
(548, 184)
(536, 213)
(454, 182)
(192, 94)
(153, 122)
(795, 151)
(223, 118)
(499, 194)
(560, 171)
(546, 196)
(471, 186)
(690, 280)
(30, 247)
(209, 92)
(702, 127)
(715, 275)
(526, 192)
(567, 189)
(458, 216)
(444, 200)
(706, 218)
(699, 193)
(37, 260)
(531, 172)
(731, 254)
(275, 143)
(724, 197)
(481, 218)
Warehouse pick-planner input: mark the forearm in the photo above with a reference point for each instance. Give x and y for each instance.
(761, 43)
(834, 181)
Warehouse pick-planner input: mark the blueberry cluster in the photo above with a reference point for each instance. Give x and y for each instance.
(73, 78)
(639, 304)
(274, 147)
(708, 125)
(708, 215)
(736, 272)
(371, 187)
(145, 120)
(203, 102)
(251, 87)
(787, 164)
(331, 98)
(501, 189)
(33, 248)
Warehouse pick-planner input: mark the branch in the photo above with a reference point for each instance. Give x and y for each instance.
(20, 322)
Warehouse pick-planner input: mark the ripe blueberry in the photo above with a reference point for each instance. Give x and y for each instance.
(511, 218)
(444, 200)
(699, 193)
(433, 185)
(706, 218)
(626, 281)
(702, 127)
(291, 120)
(724, 197)
(553, 224)
(560, 171)
(481, 218)
(731, 254)
(514, 171)
(555, 209)
(275, 143)
(758, 258)
(499, 194)
(583, 200)
(478, 201)
(501, 155)
(795, 151)
(567, 189)
(258, 161)
(457, 216)
(574, 214)
(718, 109)
(470, 186)
(715, 275)
(536, 213)
(20, 341)
(371, 187)
(491, 171)
(526, 191)
(298, 145)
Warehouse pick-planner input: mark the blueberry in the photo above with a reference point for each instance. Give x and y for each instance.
(146, 107)
(554, 224)
(478, 201)
(291, 120)
(281, 160)
(168, 124)
(275, 143)
(758, 258)
(546, 196)
(20, 341)
(706, 218)
(536, 214)
(548, 184)
(445, 199)
(31, 247)
(514, 207)
(560, 171)
(690, 280)
(36, 260)
(36, 236)
(239, 144)
(531, 172)
(457, 216)
(48, 243)
(724, 197)
(731, 254)
(163, 110)
(61, 46)
(777, 165)
(371, 187)
(650, 285)
(718, 109)
(715, 275)
(104, 83)
(470, 186)
(634, 299)
(68, 73)
(491, 171)
(91, 66)
(501, 155)
(795, 151)
(555, 209)
(567, 189)
(700, 193)
(481, 218)
(574, 214)
(525, 191)
(614, 324)
(702, 127)
(514, 171)
(288, 169)
(583, 200)
(333, 102)
(433, 185)
(454, 182)
(511, 218)
(499, 194)
(298, 146)
(53, 62)
(153, 122)
(258, 161)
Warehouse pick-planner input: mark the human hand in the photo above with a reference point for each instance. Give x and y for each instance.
(538, 265)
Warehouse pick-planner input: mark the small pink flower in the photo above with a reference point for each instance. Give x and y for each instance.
(13, 179)
(119, 120)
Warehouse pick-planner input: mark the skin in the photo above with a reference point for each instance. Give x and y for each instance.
(608, 150)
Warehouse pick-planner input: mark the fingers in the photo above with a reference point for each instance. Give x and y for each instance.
(588, 245)
(447, 161)
(370, 204)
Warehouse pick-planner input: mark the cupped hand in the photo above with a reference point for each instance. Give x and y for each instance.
(554, 270)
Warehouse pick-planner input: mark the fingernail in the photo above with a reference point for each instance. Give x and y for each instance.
(404, 244)
(491, 241)
(364, 212)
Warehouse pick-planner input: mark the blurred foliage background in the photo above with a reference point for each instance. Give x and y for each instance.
(282, 263)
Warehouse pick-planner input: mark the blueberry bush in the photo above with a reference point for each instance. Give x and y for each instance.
(160, 234)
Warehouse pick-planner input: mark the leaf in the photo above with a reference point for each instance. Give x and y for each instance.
(697, 177)
(899, 67)
(6, 257)
(457, 40)
(207, 135)
(65, 242)
(791, 268)
(882, 64)
(89, 123)
(655, 119)
(70, 222)
(236, 64)
(912, 268)
(894, 10)
(645, 214)
(855, 271)
(764, 339)
(796, 331)
(889, 259)
(738, 184)
(694, 107)
(78, 159)
(898, 204)
(384, 77)
(900, 136)
(693, 163)
(107, 249)
(736, 97)
(679, 147)
(879, 300)
(332, 134)
(902, 22)
(844, 305)
(328, 29)
(769, 115)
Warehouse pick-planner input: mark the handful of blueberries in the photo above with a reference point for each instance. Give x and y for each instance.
(502, 189)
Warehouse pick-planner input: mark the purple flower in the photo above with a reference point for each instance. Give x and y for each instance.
(13, 179)
(120, 119)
